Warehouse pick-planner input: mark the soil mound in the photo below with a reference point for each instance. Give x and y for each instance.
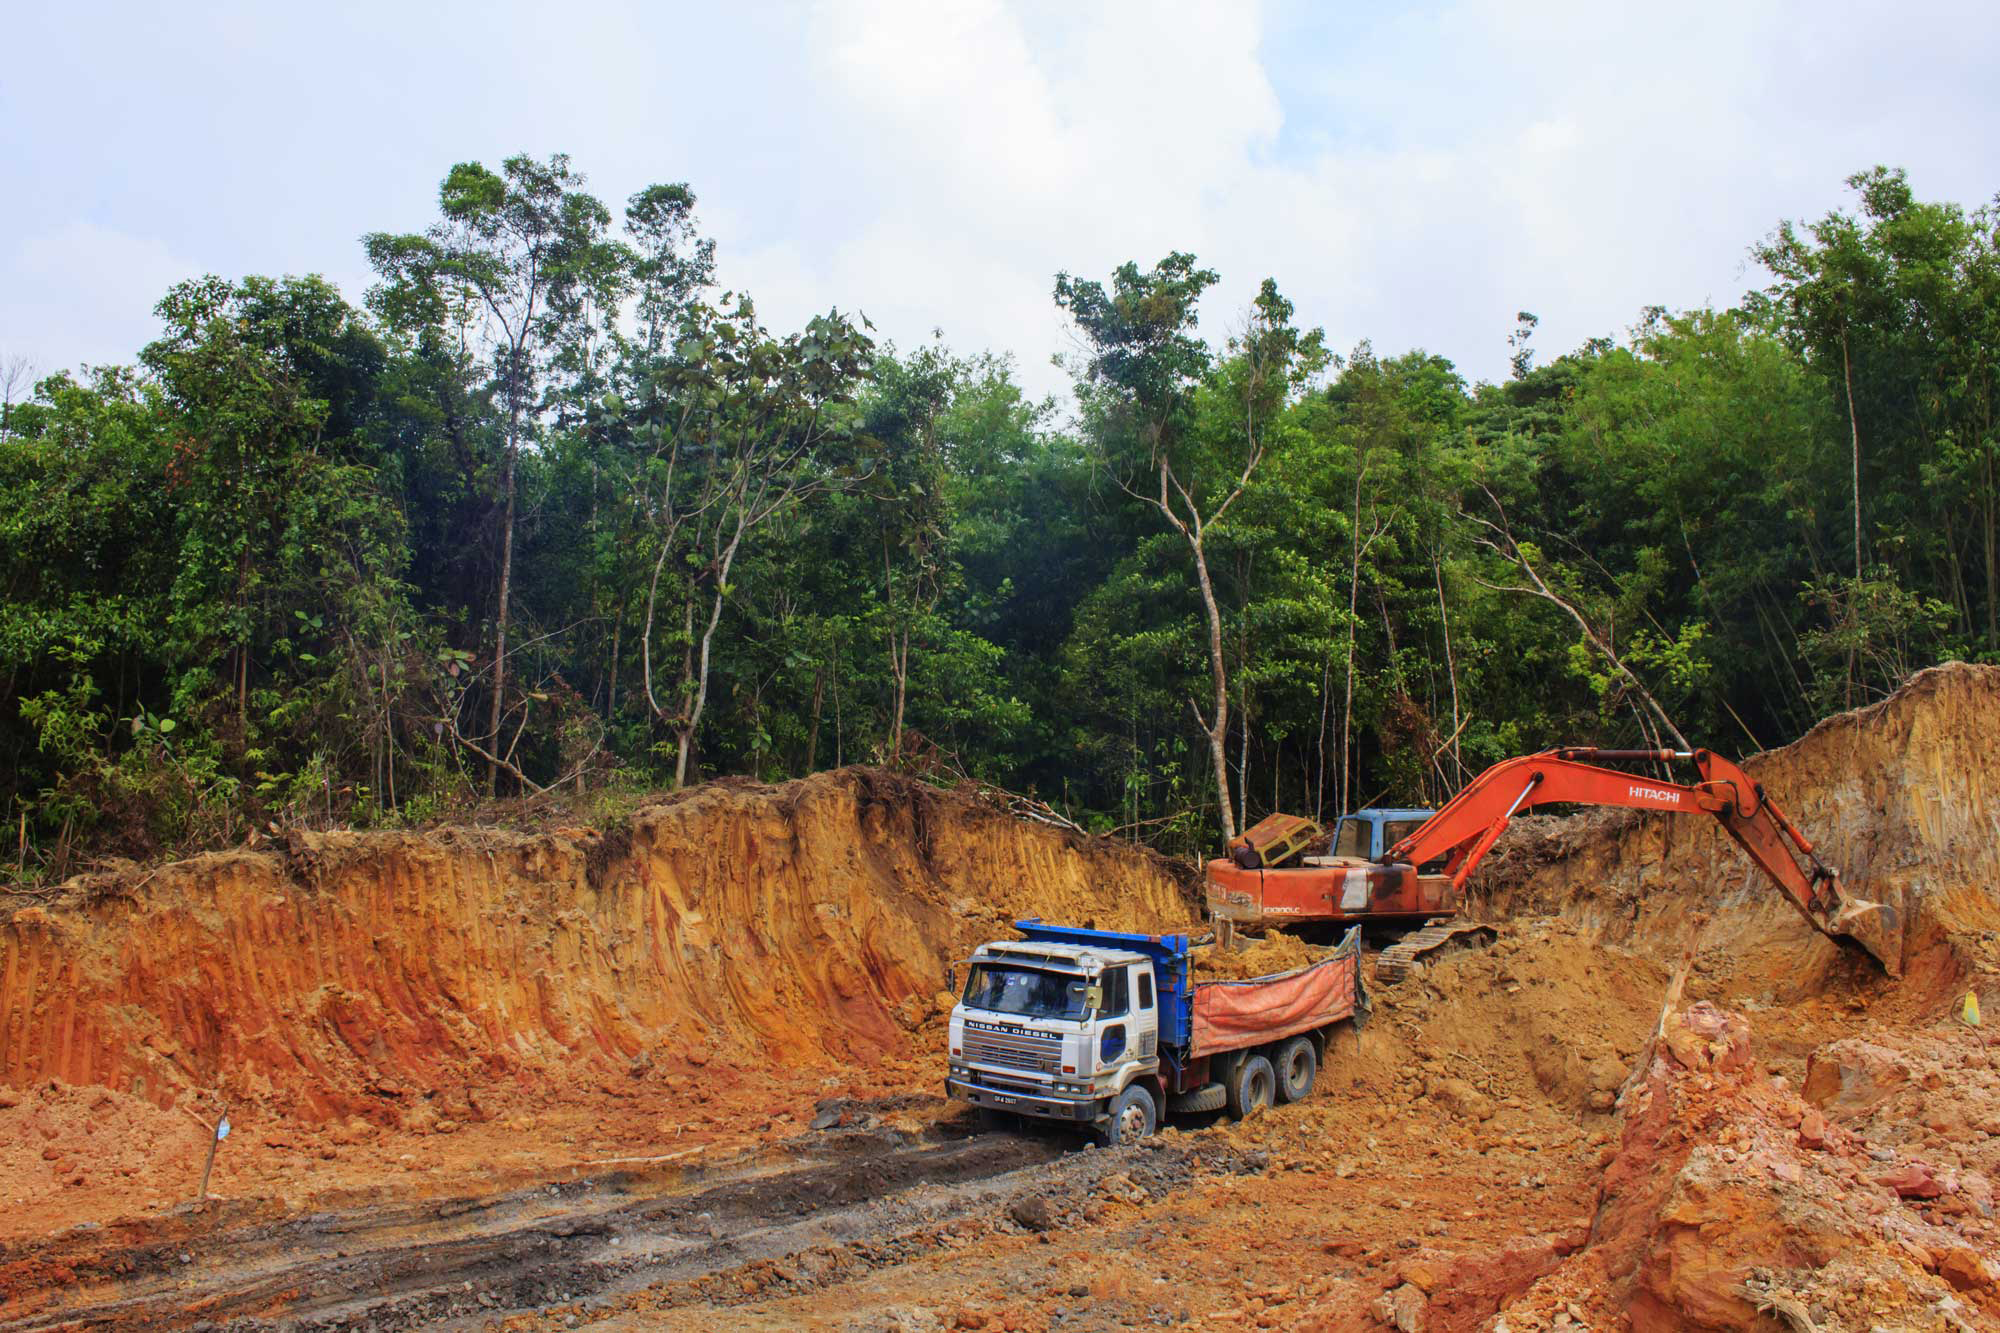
(1901, 798)
(1732, 1203)
(1275, 952)
(354, 974)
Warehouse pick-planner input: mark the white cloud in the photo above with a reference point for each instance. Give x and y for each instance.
(1410, 174)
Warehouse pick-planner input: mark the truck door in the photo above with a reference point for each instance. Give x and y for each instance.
(1145, 1012)
(1119, 1036)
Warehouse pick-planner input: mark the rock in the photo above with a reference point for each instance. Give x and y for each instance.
(1402, 1308)
(1033, 1212)
(826, 1119)
(1849, 1077)
(1812, 1129)
(1912, 1180)
(1461, 1099)
(1419, 1273)
(1605, 1074)
(1120, 1187)
(1705, 1038)
(1964, 1269)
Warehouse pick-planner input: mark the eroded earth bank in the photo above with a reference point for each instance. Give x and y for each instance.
(685, 1072)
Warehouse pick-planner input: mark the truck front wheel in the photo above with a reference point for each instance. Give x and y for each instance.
(1251, 1086)
(1132, 1117)
(1298, 1066)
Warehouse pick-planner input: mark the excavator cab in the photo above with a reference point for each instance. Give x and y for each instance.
(1366, 834)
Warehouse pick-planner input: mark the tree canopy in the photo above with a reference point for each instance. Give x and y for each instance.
(553, 515)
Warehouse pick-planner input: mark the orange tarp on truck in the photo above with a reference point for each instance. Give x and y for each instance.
(1229, 1015)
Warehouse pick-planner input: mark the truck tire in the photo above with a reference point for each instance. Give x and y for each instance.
(1252, 1086)
(1133, 1116)
(1297, 1065)
(1207, 1097)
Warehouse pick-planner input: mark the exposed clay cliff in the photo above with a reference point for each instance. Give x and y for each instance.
(793, 925)
(1902, 798)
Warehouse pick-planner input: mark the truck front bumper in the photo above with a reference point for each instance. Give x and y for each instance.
(1021, 1103)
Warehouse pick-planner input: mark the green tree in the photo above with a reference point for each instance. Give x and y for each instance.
(520, 272)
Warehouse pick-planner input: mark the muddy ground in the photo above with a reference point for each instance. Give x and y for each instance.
(684, 1074)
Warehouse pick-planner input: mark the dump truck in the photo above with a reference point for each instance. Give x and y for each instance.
(1108, 1031)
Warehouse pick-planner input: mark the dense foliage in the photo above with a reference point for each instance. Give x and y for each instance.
(553, 514)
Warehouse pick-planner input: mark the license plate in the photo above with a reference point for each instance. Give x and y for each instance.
(1004, 1101)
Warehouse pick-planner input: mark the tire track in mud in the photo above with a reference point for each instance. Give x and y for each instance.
(437, 1263)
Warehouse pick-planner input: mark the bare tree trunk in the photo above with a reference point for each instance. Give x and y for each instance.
(899, 659)
(506, 593)
(1218, 725)
(1243, 698)
(611, 689)
(1325, 713)
(1344, 793)
(1992, 560)
(819, 700)
(901, 655)
(1450, 667)
(1854, 431)
(1243, 767)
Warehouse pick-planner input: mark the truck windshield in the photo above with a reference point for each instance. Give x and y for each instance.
(1027, 991)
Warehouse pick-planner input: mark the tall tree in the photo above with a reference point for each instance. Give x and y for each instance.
(745, 438)
(1145, 361)
(519, 267)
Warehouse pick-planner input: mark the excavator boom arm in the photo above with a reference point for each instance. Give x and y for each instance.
(1465, 829)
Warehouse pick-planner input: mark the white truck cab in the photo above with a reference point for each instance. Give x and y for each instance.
(1053, 1030)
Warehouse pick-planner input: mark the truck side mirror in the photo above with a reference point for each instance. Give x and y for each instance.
(1093, 998)
(951, 978)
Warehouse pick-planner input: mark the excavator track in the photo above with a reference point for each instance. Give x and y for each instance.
(1418, 948)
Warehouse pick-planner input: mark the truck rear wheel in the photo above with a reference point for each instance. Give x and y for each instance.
(1252, 1086)
(1207, 1097)
(1297, 1067)
(1132, 1117)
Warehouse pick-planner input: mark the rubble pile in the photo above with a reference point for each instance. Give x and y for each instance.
(1733, 1201)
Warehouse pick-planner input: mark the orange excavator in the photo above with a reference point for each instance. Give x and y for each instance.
(1271, 877)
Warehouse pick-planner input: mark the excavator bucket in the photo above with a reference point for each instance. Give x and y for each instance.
(1876, 927)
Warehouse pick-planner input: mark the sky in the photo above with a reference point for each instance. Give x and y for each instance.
(1413, 175)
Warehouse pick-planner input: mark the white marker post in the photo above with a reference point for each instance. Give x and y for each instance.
(215, 1141)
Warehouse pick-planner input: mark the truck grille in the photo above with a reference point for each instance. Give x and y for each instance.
(1025, 1050)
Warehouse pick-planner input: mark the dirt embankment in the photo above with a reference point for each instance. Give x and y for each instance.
(1901, 798)
(363, 984)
